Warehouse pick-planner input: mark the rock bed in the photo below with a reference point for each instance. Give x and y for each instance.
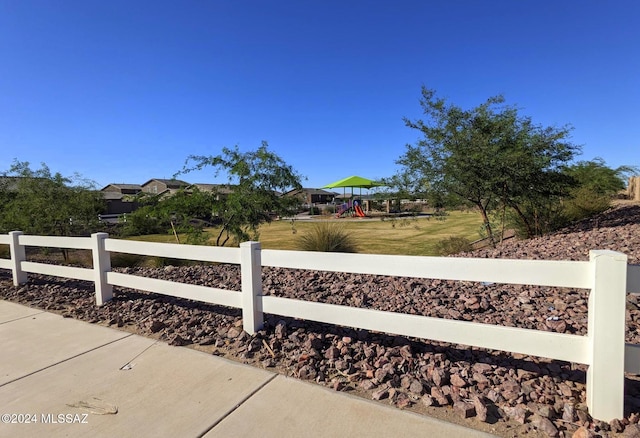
(543, 396)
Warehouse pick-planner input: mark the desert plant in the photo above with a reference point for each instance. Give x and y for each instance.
(327, 237)
(329, 210)
(453, 245)
(584, 203)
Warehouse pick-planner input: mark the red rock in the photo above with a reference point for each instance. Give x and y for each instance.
(545, 425)
(565, 390)
(403, 401)
(427, 400)
(583, 432)
(440, 377)
(332, 353)
(616, 425)
(440, 397)
(156, 326)
(381, 374)
(457, 380)
(464, 409)
(631, 431)
(568, 413)
(481, 408)
(307, 372)
(482, 368)
(280, 330)
(380, 394)
(416, 387)
(367, 385)
(516, 413)
(583, 417)
(510, 390)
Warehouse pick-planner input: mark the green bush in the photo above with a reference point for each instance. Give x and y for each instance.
(585, 203)
(329, 210)
(314, 211)
(453, 245)
(327, 237)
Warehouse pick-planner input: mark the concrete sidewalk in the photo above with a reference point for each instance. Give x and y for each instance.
(63, 377)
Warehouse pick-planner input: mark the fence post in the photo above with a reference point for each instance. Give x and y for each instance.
(251, 276)
(101, 265)
(606, 333)
(18, 255)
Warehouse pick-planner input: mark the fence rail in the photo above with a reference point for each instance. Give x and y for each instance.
(606, 274)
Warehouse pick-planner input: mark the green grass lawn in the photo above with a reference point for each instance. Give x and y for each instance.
(406, 236)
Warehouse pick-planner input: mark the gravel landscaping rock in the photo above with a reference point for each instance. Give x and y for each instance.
(545, 396)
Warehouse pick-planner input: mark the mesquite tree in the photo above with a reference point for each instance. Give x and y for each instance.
(489, 156)
(252, 196)
(45, 203)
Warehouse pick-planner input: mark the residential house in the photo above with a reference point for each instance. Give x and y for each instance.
(124, 189)
(310, 196)
(120, 198)
(163, 186)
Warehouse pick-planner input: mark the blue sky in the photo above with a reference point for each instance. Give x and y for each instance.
(124, 91)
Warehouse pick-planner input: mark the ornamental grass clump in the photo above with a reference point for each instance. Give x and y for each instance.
(327, 237)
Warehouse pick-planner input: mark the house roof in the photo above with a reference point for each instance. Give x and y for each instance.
(310, 191)
(124, 186)
(170, 183)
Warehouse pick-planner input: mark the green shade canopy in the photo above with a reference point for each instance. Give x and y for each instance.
(353, 181)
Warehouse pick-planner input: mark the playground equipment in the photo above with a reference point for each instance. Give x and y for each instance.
(349, 209)
(352, 208)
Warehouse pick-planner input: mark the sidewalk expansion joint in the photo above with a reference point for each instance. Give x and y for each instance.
(129, 364)
(233, 409)
(23, 317)
(65, 360)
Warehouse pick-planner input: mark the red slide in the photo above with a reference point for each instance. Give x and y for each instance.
(359, 211)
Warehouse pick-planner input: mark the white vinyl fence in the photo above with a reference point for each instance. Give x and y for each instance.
(606, 274)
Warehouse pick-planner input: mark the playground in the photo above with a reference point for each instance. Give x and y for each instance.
(352, 207)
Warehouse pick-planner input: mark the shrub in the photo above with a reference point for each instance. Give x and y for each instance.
(453, 245)
(585, 203)
(314, 211)
(327, 237)
(329, 210)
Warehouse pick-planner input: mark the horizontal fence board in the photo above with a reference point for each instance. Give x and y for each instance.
(5, 239)
(559, 346)
(6, 264)
(56, 241)
(175, 251)
(531, 272)
(189, 291)
(59, 271)
(632, 358)
(633, 279)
